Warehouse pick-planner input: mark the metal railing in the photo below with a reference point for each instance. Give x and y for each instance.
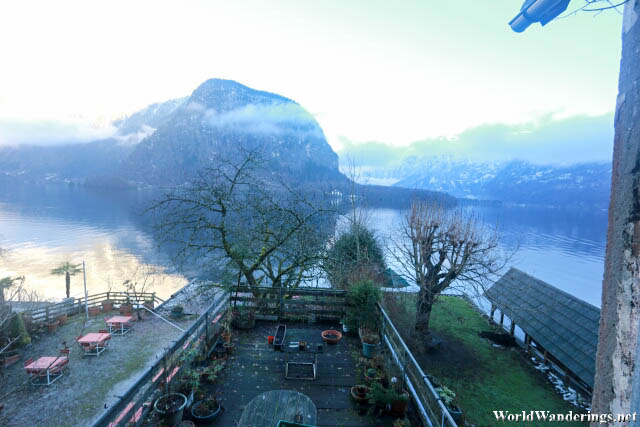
(430, 407)
(134, 405)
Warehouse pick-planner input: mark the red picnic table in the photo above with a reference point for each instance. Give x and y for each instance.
(94, 343)
(119, 325)
(49, 368)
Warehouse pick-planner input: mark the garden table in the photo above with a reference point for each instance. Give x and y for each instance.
(94, 343)
(49, 368)
(119, 325)
(266, 409)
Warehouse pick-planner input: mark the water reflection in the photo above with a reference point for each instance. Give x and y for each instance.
(44, 226)
(564, 247)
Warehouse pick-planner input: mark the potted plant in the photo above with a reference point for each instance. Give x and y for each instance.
(62, 319)
(52, 326)
(170, 407)
(226, 328)
(448, 397)
(372, 375)
(205, 411)
(244, 317)
(362, 314)
(331, 336)
(94, 311)
(398, 398)
(378, 396)
(126, 309)
(107, 305)
(211, 373)
(370, 340)
(359, 393)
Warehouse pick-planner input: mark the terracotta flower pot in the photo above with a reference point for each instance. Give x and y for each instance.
(107, 306)
(62, 319)
(126, 309)
(359, 393)
(331, 336)
(52, 327)
(399, 406)
(94, 311)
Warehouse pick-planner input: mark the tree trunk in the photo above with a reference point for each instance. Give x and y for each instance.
(67, 279)
(423, 315)
(617, 382)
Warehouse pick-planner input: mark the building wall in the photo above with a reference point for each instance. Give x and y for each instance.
(618, 339)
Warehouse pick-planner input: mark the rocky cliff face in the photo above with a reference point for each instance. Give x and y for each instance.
(219, 118)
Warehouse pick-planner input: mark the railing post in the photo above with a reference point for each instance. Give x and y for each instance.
(47, 314)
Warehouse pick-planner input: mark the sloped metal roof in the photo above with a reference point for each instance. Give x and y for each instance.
(563, 324)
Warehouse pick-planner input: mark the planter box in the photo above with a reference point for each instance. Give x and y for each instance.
(280, 335)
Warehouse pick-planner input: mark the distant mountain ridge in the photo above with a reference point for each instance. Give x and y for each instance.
(515, 181)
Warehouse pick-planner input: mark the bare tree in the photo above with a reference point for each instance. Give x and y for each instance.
(442, 250)
(141, 280)
(242, 214)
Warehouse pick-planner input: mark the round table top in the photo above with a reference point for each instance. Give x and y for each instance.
(268, 408)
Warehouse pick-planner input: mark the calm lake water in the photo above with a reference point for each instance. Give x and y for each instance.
(42, 226)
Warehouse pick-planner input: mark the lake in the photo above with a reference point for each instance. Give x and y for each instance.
(42, 226)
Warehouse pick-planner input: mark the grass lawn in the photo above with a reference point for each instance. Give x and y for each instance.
(485, 378)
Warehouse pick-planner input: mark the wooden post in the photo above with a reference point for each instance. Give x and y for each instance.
(46, 314)
(526, 340)
(493, 310)
(501, 317)
(513, 327)
(546, 361)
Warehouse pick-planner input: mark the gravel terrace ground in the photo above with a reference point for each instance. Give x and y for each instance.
(90, 384)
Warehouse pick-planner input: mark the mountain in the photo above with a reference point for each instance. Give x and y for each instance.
(70, 163)
(96, 163)
(221, 116)
(169, 143)
(515, 181)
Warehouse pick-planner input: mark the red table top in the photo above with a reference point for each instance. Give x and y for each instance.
(46, 362)
(94, 337)
(119, 319)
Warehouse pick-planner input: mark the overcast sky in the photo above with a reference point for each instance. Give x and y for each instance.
(393, 72)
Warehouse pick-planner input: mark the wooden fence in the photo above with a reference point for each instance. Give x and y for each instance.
(289, 304)
(301, 304)
(77, 305)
